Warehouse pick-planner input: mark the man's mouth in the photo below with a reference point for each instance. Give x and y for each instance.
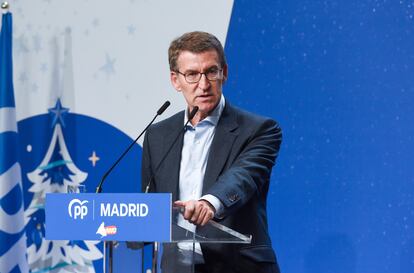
(204, 96)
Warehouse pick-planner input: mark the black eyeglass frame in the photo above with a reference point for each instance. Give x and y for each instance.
(219, 71)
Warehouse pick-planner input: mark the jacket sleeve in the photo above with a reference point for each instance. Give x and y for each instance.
(249, 174)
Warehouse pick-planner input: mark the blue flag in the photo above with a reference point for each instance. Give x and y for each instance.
(12, 227)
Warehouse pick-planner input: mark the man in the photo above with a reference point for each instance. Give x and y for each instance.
(220, 165)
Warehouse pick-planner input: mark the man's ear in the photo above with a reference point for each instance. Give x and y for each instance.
(225, 73)
(175, 81)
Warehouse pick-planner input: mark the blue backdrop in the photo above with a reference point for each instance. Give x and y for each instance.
(338, 76)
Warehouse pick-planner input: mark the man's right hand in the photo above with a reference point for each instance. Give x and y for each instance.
(197, 212)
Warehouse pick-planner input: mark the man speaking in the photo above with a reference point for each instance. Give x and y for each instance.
(220, 165)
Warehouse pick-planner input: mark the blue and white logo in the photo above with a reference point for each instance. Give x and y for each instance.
(123, 213)
(77, 208)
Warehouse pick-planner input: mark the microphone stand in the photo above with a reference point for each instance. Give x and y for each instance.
(110, 244)
(156, 245)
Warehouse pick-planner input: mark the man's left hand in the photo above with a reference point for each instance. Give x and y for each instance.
(197, 212)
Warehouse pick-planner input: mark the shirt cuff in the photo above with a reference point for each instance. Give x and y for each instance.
(216, 203)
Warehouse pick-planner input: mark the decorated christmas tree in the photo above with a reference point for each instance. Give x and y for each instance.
(54, 174)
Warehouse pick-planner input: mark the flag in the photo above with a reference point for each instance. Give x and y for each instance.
(12, 226)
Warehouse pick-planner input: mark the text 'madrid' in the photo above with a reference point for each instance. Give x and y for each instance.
(79, 209)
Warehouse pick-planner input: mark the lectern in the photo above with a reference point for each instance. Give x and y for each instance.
(139, 219)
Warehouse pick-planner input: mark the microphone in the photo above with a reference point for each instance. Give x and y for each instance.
(190, 117)
(163, 107)
(159, 112)
(192, 114)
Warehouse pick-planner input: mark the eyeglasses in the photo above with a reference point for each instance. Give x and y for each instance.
(213, 74)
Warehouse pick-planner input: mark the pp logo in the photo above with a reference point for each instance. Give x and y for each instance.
(77, 208)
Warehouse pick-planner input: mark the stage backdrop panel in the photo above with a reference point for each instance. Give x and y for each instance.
(337, 75)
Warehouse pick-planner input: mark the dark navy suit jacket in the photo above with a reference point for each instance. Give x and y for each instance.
(242, 154)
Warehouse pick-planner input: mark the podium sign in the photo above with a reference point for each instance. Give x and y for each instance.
(108, 216)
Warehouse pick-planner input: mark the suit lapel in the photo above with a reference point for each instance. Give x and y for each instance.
(172, 162)
(221, 146)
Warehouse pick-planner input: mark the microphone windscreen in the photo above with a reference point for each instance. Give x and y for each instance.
(163, 107)
(192, 114)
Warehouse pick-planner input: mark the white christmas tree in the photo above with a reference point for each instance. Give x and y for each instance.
(55, 173)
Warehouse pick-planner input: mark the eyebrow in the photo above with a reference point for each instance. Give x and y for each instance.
(208, 69)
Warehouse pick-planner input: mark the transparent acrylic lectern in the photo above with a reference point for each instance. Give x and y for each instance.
(178, 256)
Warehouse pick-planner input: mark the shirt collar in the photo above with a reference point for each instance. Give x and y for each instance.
(214, 117)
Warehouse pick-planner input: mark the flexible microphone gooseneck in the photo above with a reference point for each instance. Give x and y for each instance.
(190, 117)
(159, 112)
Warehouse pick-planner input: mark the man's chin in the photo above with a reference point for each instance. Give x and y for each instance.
(206, 109)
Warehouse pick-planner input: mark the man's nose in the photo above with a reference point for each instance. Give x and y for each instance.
(204, 83)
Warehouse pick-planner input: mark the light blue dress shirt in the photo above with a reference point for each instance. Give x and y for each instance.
(194, 157)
